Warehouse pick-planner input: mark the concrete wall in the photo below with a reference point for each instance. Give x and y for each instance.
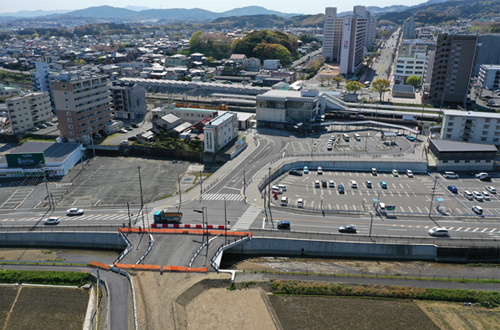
(111, 241)
(311, 248)
(294, 247)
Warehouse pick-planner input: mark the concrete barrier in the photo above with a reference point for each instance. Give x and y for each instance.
(110, 241)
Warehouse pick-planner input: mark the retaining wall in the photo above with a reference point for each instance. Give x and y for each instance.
(111, 241)
(311, 248)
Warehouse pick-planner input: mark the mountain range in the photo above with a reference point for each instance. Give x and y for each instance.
(135, 13)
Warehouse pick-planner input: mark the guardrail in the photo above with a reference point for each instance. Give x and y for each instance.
(151, 244)
(126, 251)
(225, 246)
(199, 250)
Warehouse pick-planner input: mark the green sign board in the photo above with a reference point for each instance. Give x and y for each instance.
(25, 160)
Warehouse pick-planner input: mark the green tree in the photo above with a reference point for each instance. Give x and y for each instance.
(353, 86)
(414, 81)
(381, 86)
(195, 41)
(338, 79)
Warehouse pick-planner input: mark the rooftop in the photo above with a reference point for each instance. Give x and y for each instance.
(459, 146)
(465, 113)
(221, 118)
(54, 152)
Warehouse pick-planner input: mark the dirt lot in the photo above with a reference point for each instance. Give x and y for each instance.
(238, 309)
(339, 266)
(349, 313)
(7, 297)
(454, 316)
(45, 308)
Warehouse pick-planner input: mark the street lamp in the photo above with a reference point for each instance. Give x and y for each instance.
(205, 226)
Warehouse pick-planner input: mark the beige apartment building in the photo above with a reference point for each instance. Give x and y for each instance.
(82, 104)
(28, 111)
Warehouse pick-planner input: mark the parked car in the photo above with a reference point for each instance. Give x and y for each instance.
(368, 184)
(348, 229)
(479, 175)
(300, 203)
(450, 175)
(491, 189)
(295, 172)
(74, 211)
(341, 189)
(468, 195)
(323, 183)
(129, 128)
(306, 170)
(383, 184)
(438, 232)
(453, 189)
(477, 196)
(35, 129)
(477, 209)
(284, 225)
(409, 173)
(135, 126)
(284, 201)
(485, 178)
(395, 173)
(353, 184)
(122, 130)
(133, 138)
(320, 170)
(331, 183)
(49, 124)
(486, 196)
(410, 138)
(51, 221)
(124, 142)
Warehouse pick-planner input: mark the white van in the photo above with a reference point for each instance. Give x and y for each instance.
(450, 175)
(300, 203)
(357, 137)
(468, 195)
(317, 184)
(282, 187)
(284, 201)
(345, 137)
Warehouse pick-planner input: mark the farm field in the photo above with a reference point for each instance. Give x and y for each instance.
(42, 308)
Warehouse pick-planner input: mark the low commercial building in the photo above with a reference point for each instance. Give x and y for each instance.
(467, 126)
(284, 109)
(220, 131)
(29, 110)
(167, 122)
(489, 76)
(39, 159)
(462, 156)
(403, 91)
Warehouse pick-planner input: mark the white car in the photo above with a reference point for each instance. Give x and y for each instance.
(320, 170)
(486, 196)
(353, 184)
(395, 173)
(491, 189)
(51, 221)
(284, 201)
(477, 196)
(300, 203)
(409, 173)
(331, 184)
(74, 211)
(438, 231)
(477, 209)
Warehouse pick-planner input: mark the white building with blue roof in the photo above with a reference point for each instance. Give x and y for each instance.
(220, 131)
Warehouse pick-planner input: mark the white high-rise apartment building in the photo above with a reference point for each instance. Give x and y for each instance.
(344, 38)
(29, 110)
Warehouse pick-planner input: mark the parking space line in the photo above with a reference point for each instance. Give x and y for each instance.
(409, 208)
(338, 207)
(467, 229)
(484, 230)
(329, 207)
(475, 229)
(402, 209)
(391, 193)
(399, 194)
(491, 231)
(312, 204)
(451, 228)
(329, 191)
(401, 185)
(427, 209)
(419, 211)
(346, 207)
(354, 207)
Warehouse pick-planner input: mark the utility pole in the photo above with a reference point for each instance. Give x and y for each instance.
(371, 223)
(129, 219)
(140, 185)
(269, 187)
(433, 192)
(244, 188)
(225, 221)
(201, 187)
(48, 194)
(180, 192)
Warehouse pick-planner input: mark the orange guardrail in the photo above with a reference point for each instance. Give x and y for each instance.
(99, 265)
(165, 268)
(185, 231)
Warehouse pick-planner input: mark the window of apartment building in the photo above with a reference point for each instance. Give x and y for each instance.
(483, 139)
(70, 120)
(63, 86)
(486, 126)
(478, 161)
(70, 126)
(457, 161)
(485, 133)
(467, 161)
(71, 133)
(445, 161)
(495, 140)
(449, 130)
(487, 120)
(68, 113)
(448, 136)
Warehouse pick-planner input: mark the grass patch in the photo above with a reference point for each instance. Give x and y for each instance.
(7, 297)
(48, 262)
(49, 308)
(485, 298)
(394, 276)
(43, 277)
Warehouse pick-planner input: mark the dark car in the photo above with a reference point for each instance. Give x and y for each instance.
(295, 172)
(323, 183)
(348, 229)
(284, 225)
(135, 126)
(132, 138)
(485, 178)
(341, 189)
(453, 189)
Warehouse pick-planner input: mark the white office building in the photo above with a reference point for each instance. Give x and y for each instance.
(220, 131)
(415, 65)
(489, 76)
(467, 126)
(29, 110)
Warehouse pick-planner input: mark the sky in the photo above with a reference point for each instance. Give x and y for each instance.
(286, 6)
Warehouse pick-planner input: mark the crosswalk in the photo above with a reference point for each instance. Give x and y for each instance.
(490, 231)
(245, 221)
(221, 197)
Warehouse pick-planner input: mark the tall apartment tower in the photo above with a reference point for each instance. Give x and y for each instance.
(82, 104)
(453, 67)
(409, 28)
(345, 37)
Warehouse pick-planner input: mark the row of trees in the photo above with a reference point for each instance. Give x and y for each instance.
(380, 85)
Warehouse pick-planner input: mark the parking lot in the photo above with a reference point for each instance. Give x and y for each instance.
(115, 181)
(369, 141)
(408, 195)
